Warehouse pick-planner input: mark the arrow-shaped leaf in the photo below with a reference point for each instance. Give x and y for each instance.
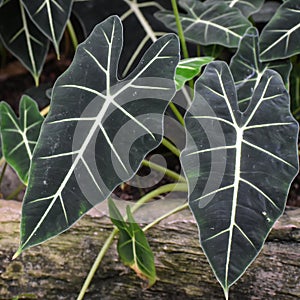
(98, 131)
(22, 38)
(133, 247)
(280, 38)
(247, 69)
(188, 68)
(247, 7)
(19, 135)
(208, 24)
(50, 16)
(239, 166)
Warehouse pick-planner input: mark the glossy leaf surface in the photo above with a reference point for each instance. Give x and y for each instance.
(50, 16)
(188, 68)
(280, 37)
(134, 15)
(98, 130)
(19, 135)
(239, 166)
(247, 7)
(208, 24)
(133, 247)
(22, 37)
(247, 68)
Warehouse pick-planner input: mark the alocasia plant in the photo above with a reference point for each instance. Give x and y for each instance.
(241, 139)
(235, 196)
(89, 98)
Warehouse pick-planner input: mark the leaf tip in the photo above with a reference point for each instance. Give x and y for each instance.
(19, 251)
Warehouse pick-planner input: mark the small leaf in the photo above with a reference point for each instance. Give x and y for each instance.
(239, 166)
(247, 7)
(98, 130)
(280, 37)
(247, 68)
(205, 25)
(19, 135)
(22, 38)
(133, 247)
(189, 68)
(50, 16)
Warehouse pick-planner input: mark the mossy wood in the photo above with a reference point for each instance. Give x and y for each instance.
(58, 267)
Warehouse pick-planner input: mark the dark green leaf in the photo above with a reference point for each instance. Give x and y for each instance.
(50, 16)
(280, 38)
(205, 25)
(267, 11)
(247, 7)
(91, 12)
(19, 135)
(189, 68)
(133, 247)
(239, 166)
(247, 68)
(22, 38)
(98, 131)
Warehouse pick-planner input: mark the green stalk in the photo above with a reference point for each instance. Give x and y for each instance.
(3, 172)
(177, 187)
(2, 161)
(16, 192)
(179, 28)
(163, 170)
(177, 113)
(97, 262)
(171, 147)
(72, 34)
(161, 190)
(173, 211)
(181, 37)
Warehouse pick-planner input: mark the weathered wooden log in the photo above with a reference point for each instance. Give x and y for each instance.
(57, 269)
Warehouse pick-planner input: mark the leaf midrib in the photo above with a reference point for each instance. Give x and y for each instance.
(87, 140)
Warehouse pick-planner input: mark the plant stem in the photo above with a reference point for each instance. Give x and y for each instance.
(161, 190)
(45, 111)
(16, 192)
(97, 262)
(163, 170)
(178, 187)
(173, 211)
(171, 147)
(181, 37)
(3, 172)
(177, 113)
(2, 161)
(179, 28)
(72, 34)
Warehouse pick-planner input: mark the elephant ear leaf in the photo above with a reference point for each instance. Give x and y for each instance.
(20, 135)
(239, 166)
(208, 24)
(50, 17)
(21, 37)
(247, 7)
(247, 68)
(189, 68)
(280, 37)
(133, 247)
(98, 131)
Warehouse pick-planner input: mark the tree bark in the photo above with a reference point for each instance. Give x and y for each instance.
(57, 268)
